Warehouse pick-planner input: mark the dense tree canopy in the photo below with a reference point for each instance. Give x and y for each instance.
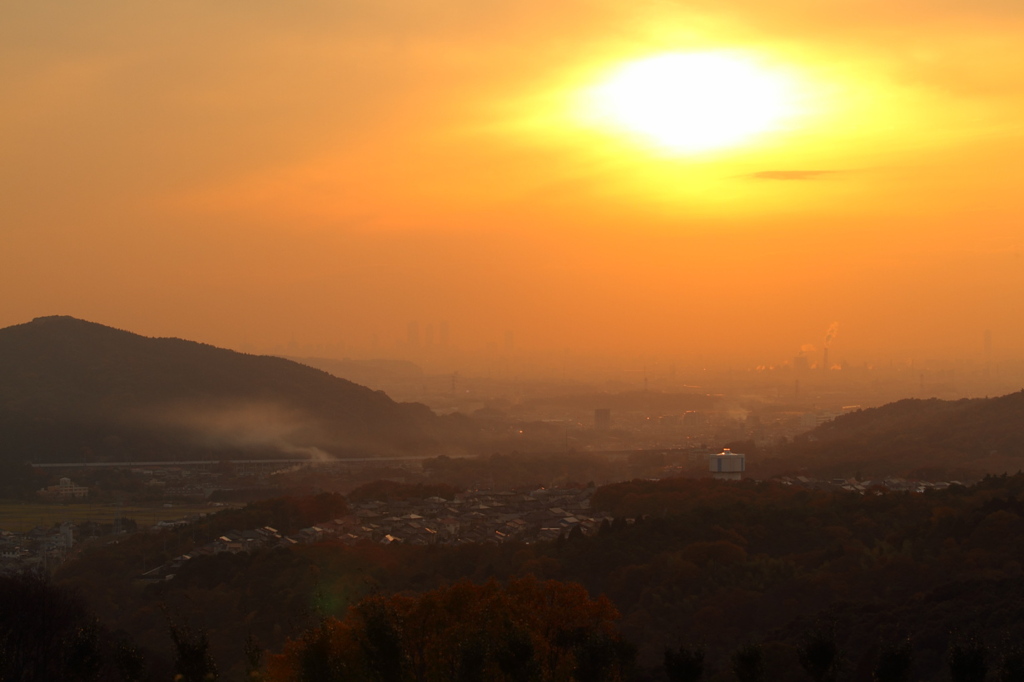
(525, 630)
(684, 561)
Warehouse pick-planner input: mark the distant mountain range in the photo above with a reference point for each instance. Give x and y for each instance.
(980, 435)
(72, 390)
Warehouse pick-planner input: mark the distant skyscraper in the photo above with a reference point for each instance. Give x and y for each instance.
(428, 335)
(413, 335)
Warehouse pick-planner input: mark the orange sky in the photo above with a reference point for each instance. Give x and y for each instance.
(248, 174)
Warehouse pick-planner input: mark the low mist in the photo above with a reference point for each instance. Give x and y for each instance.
(248, 425)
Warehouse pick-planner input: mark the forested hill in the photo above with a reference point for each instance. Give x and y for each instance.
(981, 435)
(72, 390)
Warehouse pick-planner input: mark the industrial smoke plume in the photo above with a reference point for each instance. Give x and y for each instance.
(830, 334)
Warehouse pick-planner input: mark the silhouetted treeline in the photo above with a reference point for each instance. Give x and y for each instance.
(527, 471)
(526, 630)
(47, 633)
(20, 481)
(715, 563)
(383, 491)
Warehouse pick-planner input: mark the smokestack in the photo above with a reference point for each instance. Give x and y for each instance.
(830, 334)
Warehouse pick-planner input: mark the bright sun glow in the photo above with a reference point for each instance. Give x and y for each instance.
(693, 102)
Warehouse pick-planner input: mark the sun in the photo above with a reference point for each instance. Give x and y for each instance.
(693, 102)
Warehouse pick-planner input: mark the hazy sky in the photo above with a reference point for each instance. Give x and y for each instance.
(259, 172)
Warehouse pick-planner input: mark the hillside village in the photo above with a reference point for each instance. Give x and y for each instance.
(471, 517)
(478, 516)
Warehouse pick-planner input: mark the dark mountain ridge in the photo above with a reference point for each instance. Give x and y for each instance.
(73, 390)
(981, 434)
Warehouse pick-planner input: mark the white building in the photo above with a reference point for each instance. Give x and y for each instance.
(727, 465)
(66, 488)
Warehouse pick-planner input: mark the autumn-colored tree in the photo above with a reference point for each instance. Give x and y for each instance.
(527, 630)
(320, 656)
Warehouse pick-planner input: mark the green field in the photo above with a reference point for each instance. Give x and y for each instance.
(21, 517)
